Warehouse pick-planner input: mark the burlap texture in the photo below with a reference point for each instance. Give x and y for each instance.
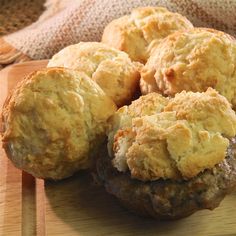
(67, 22)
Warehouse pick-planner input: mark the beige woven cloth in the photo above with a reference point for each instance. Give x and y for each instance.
(67, 22)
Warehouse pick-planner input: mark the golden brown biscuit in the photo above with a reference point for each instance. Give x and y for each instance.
(150, 104)
(53, 122)
(138, 32)
(192, 60)
(110, 68)
(189, 134)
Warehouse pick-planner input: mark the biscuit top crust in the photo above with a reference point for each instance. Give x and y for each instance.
(140, 31)
(179, 139)
(53, 120)
(110, 68)
(192, 60)
(150, 104)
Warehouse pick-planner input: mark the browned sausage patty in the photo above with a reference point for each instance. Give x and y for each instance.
(167, 199)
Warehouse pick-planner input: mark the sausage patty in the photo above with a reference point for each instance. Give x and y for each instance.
(169, 199)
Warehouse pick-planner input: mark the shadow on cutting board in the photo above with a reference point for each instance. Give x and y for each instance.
(89, 210)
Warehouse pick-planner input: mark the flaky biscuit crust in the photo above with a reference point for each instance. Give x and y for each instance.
(110, 68)
(184, 136)
(192, 60)
(140, 31)
(150, 104)
(53, 122)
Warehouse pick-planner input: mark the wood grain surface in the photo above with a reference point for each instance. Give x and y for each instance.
(77, 206)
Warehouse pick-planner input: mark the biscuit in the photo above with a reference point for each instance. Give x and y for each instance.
(54, 121)
(189, 134)
(110, 68)
(150, 104)
(144, 28)
(192, 60)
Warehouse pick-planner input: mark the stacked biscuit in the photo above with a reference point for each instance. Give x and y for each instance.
(169, 152)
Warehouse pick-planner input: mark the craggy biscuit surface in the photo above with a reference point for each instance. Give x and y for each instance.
(192, 60)
(110, 68)
(53, 122)
(150, 104)
(182, 137)
(138, 32)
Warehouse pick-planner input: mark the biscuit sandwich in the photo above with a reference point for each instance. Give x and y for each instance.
(54, 121)
(169, 157)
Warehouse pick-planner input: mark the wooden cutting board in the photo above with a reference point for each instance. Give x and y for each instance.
(77, 206)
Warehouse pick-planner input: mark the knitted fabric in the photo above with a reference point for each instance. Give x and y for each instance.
(68, 22)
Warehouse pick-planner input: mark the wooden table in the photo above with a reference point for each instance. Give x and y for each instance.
(77, 206)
